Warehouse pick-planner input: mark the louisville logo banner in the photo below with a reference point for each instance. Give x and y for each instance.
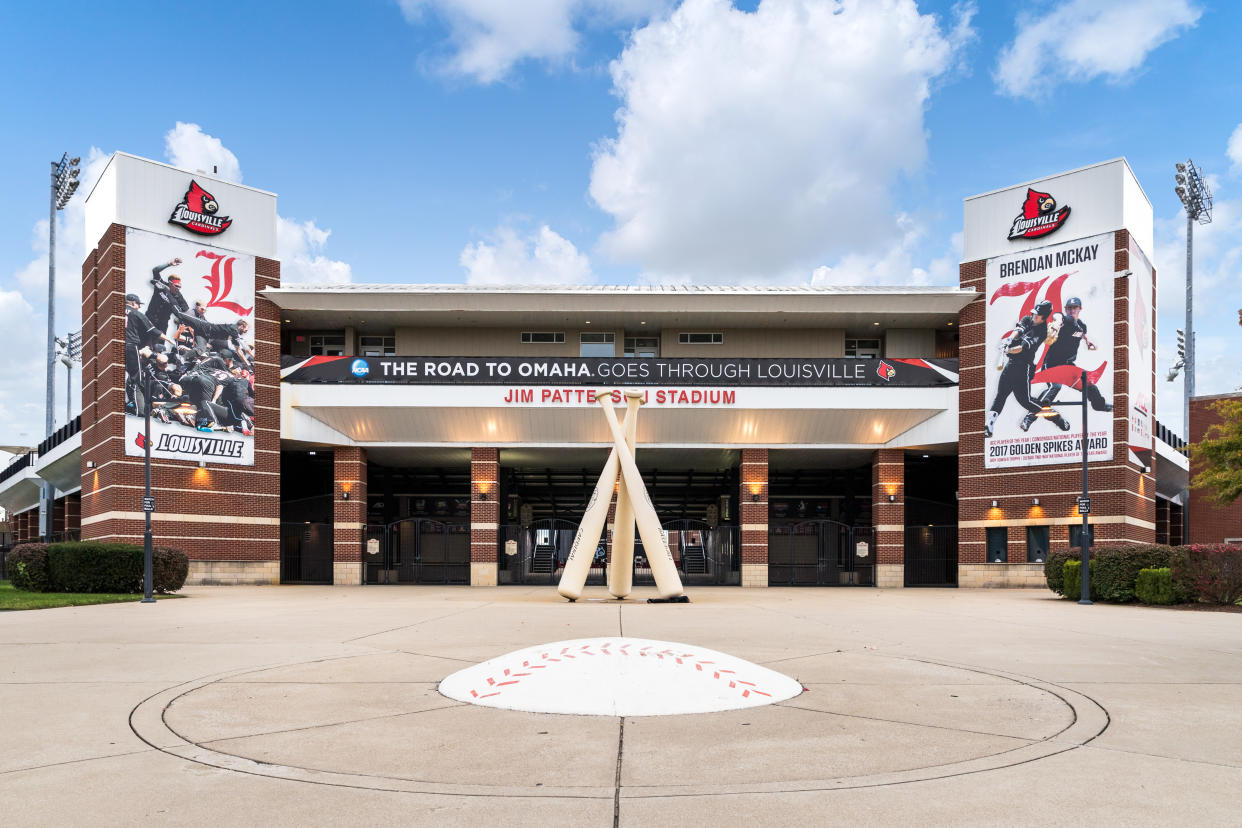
(197, 212)
(1039, 217)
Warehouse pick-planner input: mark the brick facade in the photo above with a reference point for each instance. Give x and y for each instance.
(1210, 523)
(753, 513)
(218, 513)
(888, 478)
(484, 515)
(349, 514)
(1122, 495)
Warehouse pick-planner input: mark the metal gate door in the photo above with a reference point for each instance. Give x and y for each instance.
(931, 555)
(821, 553)
(306, 553)
(420, 551)
(705, 555)
(540, 552)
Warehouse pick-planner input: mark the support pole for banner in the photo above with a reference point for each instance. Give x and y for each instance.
(621, 566)
(147, 505)
(1085, 594)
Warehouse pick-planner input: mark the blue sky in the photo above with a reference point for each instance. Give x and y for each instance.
(618, 141)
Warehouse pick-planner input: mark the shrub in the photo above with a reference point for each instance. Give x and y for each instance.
(169, 569)
(1054, 566)
(1210, 572)
(1071, 578)
(1155, 586)
(1114, 569)
(27, 565)
(92, 566)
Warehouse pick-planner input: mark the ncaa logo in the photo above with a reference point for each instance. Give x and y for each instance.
(359, 368)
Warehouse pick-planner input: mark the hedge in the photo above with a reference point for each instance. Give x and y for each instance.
(1071, 577)
(1054, 566)
(1114, 569)
(27, 567)
(1210, 572)
(1155, 586)
(93, 566)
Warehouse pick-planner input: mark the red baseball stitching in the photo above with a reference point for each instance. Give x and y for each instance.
(512, 678)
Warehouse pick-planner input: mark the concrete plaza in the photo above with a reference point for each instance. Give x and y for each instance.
(318, 705)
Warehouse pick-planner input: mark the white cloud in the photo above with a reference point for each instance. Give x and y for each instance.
(489, 36)
(898, 265)
(543, 257)
(188, 147)
(1234, 149)
(299, 245)
(22, 371)
(1084, 39)
(755, 146)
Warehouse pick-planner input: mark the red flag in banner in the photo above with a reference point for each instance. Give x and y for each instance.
(1070, 375)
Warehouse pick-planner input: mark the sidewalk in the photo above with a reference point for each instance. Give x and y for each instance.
(318, 705)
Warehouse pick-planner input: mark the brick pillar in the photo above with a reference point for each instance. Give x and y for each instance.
(888, 477)
(484, 515)
(73, 512)
(753, 513)
(1162, 520)
(58, 517)
(349, 516)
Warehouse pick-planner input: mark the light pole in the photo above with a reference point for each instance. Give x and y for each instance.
(1084, 500)
(1192, 190)
(64, 185)
(70, 352)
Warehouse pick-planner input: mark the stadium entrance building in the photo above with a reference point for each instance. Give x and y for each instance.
(380, 434)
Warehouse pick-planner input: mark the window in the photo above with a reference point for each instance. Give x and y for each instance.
(1036, 544)
(862, 348)
(642, 346)
(540, 337)
(998, 544)
(327, 345)
(1076, 534)
(377, 345)
(701, 338)
(597, 344)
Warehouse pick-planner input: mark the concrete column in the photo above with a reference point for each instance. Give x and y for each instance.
(484, 515)
(349, 514)
(753, 513)
(888, 478)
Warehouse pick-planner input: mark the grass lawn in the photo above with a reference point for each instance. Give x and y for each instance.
(16, 599)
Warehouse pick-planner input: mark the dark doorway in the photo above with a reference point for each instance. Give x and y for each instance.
(931, 556)
(306, 553)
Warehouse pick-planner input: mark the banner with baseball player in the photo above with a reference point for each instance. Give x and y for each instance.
(1142, 342)
(1049, 316)
(189, 349)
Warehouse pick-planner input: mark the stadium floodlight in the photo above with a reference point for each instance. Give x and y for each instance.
(64, 184)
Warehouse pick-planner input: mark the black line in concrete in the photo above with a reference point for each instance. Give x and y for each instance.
(616, 798)
(418, 623)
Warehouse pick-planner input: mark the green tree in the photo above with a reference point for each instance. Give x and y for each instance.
(1219, 455)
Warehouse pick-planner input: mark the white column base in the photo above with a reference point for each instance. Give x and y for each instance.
(890, 576)
(346, 573)
(754, 575)
(483, 574)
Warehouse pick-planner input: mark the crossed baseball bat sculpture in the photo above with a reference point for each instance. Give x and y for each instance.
(633, 506)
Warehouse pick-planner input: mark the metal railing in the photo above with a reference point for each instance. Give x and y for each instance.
(16, 465)
(1169, 438)
(60, 435)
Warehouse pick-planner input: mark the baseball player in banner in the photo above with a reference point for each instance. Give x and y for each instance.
(1049, 316)
(189, 349)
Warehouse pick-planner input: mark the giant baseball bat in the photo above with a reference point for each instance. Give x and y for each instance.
(621, 567)
(581, 554)
(668, 582)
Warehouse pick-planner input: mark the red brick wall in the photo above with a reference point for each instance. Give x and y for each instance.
(752, 512)
(888, 476)
(349, 516)
(1119, 489)
(484, 507)
(1210, 523)
(235, 510)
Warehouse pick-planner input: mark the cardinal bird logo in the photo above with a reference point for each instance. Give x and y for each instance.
(1039, 217)
(886, 371)
(197, 212)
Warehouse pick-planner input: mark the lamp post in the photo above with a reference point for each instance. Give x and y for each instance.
(1084, 500)
(148, 502)
(64, 184)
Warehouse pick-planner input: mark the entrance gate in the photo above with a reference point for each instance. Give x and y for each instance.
(536, 554)
(306, 553)
(931, 555)
(419, 551)
(705, 555)
(821, 553)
